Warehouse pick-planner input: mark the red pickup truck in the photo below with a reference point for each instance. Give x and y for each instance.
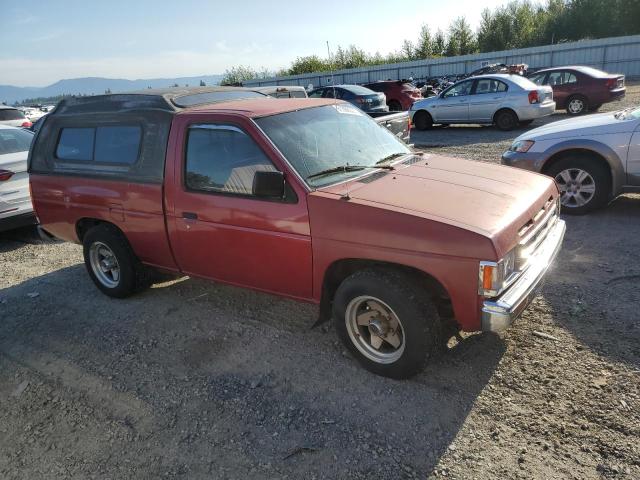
(305, 198)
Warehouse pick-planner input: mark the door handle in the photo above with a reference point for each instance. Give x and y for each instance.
(189, 216)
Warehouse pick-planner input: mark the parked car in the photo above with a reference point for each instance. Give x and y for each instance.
(581, 89)
(281, 91)
(365, 99)
(303, 198)
(400, 94)
(13, 117)
(15, 202)
(593, 159)
(504, 100)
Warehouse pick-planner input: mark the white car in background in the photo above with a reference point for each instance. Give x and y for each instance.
(501, 99)
(593, 158)
(16, 209)
(13, 117)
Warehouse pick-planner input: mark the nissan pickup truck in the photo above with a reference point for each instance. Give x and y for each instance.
(308, 199)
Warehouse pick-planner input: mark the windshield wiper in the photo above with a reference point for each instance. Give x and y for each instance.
(388, 158)
(617, 115)
(346, 168)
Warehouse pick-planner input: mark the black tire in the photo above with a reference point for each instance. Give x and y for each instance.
(506, 120)
(394, 106)
(418, 316)
(525, 123)
(132, 275)
(577, 105)
(599, 173)
(422, 120)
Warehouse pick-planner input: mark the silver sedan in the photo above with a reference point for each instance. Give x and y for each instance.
(504, 100)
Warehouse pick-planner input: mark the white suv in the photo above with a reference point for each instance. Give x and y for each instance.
(16, 209)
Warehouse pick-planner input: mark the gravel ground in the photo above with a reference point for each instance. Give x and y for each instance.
(197, 380)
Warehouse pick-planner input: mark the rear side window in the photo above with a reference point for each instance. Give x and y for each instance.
(14, 140)
(11, 114)
(108, 145)
(490, 85)
(224, 159)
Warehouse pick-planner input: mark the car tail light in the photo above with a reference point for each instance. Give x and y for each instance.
(5, 175)
(612, 83)
(533, 96)
(26, 124)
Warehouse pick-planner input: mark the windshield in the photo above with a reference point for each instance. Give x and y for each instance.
(322, 138)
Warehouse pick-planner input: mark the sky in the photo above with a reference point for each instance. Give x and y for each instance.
(46, 41)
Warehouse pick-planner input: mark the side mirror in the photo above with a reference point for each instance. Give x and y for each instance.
(268, 184)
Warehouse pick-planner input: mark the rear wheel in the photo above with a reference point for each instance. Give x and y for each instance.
(506, 120)
(387, 322)
(577, 105)
(422, 120)
(111, 263)
(584, 183)
(394, 106)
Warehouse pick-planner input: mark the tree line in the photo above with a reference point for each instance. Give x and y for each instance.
(518, 24)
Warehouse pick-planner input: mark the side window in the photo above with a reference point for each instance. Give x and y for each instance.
(490, 85)
(328, 93)
(76, 144)
(315, 93)
(556, 78)
(459, 90)
(570, 78)
(501, 86)
(106, 145)
(223, 158)
(117, 144)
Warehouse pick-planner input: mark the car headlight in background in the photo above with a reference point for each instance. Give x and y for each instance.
(494, 277)
(521, 146)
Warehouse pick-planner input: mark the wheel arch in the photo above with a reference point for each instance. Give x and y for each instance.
(596, 150)
(85, 224)
(340, 269)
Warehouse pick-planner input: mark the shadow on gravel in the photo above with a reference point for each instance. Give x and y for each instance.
(215, 381)
(462, 135)
(13, 239)
(596, 281)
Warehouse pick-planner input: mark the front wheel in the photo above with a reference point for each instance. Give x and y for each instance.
(111, 263)
(584, 183)
(422, 120)
(387, 322)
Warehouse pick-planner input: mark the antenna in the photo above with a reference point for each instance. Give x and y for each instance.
(345, 196)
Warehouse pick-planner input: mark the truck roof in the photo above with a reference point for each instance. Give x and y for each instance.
(176, 100)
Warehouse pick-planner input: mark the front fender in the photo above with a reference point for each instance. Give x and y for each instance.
(616, 164)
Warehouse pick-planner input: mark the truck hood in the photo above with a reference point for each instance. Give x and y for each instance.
(492, 200)
(587, 125)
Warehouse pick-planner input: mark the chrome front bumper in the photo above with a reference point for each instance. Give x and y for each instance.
(498, 313)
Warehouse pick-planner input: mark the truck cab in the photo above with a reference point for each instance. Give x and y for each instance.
(304, 198)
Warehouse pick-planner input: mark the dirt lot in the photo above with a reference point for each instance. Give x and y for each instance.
(197, 380)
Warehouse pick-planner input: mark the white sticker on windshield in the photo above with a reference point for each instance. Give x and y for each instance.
(347, 109)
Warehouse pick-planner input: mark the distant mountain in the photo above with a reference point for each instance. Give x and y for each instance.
(96, 86)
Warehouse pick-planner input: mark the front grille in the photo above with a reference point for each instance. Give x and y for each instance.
(533, 233)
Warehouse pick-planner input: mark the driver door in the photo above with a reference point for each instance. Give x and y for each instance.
(453, 105)
(218, 228)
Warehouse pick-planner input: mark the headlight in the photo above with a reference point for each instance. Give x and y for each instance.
(494, 277)
(521, 146)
